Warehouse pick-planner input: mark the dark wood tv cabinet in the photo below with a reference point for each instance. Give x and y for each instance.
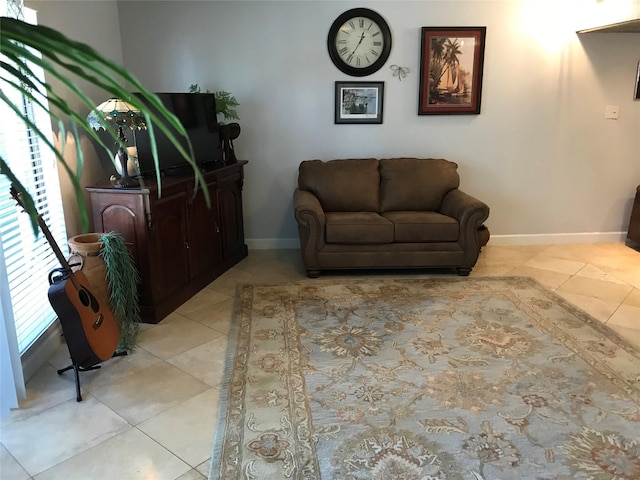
(179, 245)
(634, 222)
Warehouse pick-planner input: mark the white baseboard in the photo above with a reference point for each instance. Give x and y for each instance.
(521, 239)
(555, 238)
(272, 243)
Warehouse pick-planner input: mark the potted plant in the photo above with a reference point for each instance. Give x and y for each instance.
(226, 105)
(65, 59)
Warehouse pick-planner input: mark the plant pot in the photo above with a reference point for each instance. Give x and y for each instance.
(85, 250)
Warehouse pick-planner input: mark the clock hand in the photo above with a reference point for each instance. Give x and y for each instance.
(361, 39)
(356, 47)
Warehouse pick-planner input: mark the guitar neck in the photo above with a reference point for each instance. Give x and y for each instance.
(43, 226)
(53, 244)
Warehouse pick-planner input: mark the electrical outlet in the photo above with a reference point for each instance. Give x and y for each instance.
(611, 112)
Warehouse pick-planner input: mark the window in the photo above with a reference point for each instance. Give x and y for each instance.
(28, 260)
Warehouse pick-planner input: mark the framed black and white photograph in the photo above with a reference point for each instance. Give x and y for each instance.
(359, 102)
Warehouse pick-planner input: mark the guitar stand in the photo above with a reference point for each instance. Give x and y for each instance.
(78, 368)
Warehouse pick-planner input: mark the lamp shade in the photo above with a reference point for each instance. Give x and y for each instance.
(116, 112)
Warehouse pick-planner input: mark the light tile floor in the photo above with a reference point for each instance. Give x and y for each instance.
(151, 415)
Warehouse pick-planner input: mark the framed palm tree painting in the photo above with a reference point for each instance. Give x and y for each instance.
(451, 63)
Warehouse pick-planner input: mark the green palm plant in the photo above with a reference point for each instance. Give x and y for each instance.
(226, 103)
(63, 59)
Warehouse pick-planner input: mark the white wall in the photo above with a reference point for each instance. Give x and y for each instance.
(95, 23)
(540, 154)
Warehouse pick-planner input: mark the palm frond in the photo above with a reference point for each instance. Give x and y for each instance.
(65, 59)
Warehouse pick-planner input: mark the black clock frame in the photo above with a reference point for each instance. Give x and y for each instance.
(333, 33)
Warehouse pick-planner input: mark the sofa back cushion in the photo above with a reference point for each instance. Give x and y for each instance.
(351, 185)
(416, 184)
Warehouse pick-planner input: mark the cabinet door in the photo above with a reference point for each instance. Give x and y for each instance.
(126, 214)
(205, 252)
(170, 268)
(230, 210)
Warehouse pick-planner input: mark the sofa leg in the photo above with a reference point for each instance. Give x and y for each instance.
(313, 273)
(463, 272)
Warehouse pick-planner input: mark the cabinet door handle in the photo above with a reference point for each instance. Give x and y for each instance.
(217, 228)
(186, 245)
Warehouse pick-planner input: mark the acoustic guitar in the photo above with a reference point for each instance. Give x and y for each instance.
(90, 329)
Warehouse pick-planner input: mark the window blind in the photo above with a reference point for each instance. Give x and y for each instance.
(29, 259)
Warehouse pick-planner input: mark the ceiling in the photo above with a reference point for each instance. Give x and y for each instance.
(630, 26)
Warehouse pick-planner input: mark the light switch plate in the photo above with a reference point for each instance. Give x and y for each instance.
(611, 112)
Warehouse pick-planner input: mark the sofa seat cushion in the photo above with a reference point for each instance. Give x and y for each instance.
(416, 184)
(357, 228)
(411, 227)
(343, 185)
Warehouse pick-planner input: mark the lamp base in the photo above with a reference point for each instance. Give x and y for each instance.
(125, 182)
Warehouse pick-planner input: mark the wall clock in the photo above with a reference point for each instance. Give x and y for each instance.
(359, 42)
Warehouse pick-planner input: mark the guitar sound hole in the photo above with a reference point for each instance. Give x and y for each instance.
(88, 300)
(84, 297)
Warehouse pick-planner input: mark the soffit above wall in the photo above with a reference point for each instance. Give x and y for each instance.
(630, 26)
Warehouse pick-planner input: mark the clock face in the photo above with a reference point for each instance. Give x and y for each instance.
(359, 42)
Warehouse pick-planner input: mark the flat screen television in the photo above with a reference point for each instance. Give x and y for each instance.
(197, 113)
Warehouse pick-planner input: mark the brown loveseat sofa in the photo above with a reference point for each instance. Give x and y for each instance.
(390, 213)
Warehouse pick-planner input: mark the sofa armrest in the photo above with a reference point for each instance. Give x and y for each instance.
(462, 206)
(470, 213)
(311, 221)
(307, 208)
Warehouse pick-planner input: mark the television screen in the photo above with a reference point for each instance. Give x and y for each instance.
(197, 113)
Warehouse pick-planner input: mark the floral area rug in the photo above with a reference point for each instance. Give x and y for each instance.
(488, 378)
